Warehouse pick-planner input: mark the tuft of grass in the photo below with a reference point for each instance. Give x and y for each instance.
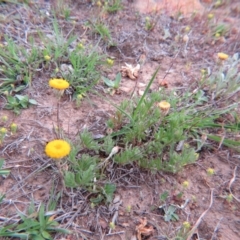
(112, 6)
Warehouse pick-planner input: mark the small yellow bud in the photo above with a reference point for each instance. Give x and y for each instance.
(222, 56)
(164, 106)
(203, 71)
(186, 225)
(80, 46)
(210, 16)
(128, 208)
(218, 3)
(99, 4)
(147, 19)
(110, 62)
(210, 171)
(3, 131)
(185, 184)
(13, 127)
(79, 96)
(187, 29)
(4, 118)
(1, 45)
(112, 225)
(229, 198)
(217, 35)
(196, 155)
(47, 57)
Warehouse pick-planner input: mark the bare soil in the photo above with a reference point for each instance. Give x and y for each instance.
(180, 64)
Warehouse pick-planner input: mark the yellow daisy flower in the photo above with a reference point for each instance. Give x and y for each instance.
(57, 149)
(222, 56)
(164, 106)
(58, 83)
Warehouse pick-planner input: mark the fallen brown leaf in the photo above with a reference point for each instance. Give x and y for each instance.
(143, 229)
(130, 71)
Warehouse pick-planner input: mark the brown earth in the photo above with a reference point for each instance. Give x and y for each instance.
(180, 65)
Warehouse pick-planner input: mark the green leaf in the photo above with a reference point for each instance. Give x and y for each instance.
(33, 101)
(46, 235)
(69, 179)
(108, 82)
(108, 191)
(41, 217)
(117, 80)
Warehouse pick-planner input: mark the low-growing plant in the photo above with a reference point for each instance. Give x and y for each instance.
(17, 102)
(113, 85)
(112, 6)
(101, 29)
(36, 224)
(17, 66)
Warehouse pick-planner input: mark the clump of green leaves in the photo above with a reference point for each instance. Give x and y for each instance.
(17, 102)
(112, 6)
(101, 29)
(36, 224)
(113, 85)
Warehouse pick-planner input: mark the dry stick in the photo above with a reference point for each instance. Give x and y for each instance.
(200, 218)
(231, 182)
(216, 228)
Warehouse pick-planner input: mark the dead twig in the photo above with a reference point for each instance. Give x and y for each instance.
(216, 228)
(194, 228)
(231, 182)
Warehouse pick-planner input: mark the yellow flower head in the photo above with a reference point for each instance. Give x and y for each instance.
(164, 106)
(4, 118)
(58, 83)
(185, 184)
(80, 46)
(47, 57)
(222, 56)
(210, 16)
(210, 171)
(57, 149)
(186, 225)
(13, 127)
(110, 62)
(3, 130)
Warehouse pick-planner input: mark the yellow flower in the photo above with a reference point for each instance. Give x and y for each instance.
(80, 46)
(57, 149)
(58, 83)
(3, 130)
(186, 225)
(110, 62)
(210, 16)
(13, 127)
(185, 184)
(79, 96)
(164, 106)
(222, 56)
(99, 4)
(210, 171)
(47, 57)
(187, 29)
(4, 118)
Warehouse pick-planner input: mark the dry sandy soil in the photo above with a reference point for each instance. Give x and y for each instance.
(140, 189)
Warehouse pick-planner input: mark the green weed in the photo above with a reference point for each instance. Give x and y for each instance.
(36, 224)
(112, 6)
(18, 102)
